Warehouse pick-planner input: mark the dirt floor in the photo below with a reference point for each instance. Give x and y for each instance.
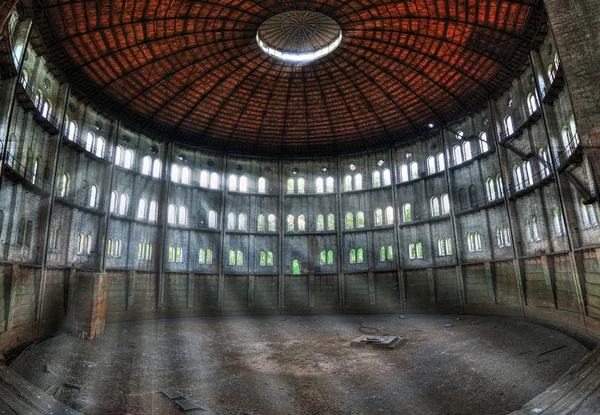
(304, 365)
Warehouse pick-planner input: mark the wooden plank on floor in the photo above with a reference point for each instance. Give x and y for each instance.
(575, 393)
(43, 403)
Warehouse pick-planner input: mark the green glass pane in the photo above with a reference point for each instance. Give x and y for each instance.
(323, 257)
(330, 257)
(269, 258)
(360, 257)
(296, 267)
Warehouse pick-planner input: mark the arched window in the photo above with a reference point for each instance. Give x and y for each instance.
(387, 177)
(233, 182)
(171, 254)
(262, 185)
(471, 242)
(467, 150)
(506, 236)
(175, 173)
(209, 256)
(457, 155)
(483, 142)
(290, 221)
(378, 217)
(535, 231)
(588, 215)
(109, 248)
(113, 202)
(551, 73)
(445, 204)
(301, 183)
(359, 256)
(412, 250)
(331, 222)
(360, 219)
(357, 181)
(419, 249)
(239, 258)
(38, 98)
(201, 256)
(93, 202)
(382, 253)
(347, 183)
(80, 240)
(296, 267)
(448, 246)
(119, 155)
(527, 173)
(376, 179)
(319, 185)
(141, 213)
(532, 104)
(89, 142)
(414, 170)
(186, 175)
(556, 60)
(518, 178)
(214, 181)
(260, 223)
(490, 188)
(404, 173)
(156, 168)
(262, 258)
(528, 230)
(204, 178)
(430, 165)
(442, 247)
(153, 211)
(88, 244)
(64, 185)
(269, 258)
(509, 126)
(477, 241)
(128, 159)
(435, 206)
(330, 257)
(171, 214)
(290, 186)
(323, 257)
(123, 204)
(389, 215)
(242, 222)
(146, 165)
(231, 221)
(212, 219)
(349, 220)
(183, 215)
(178, 254)
(320, 223)
(441, 161)
(390, 253)
(100, 147)
(301, 223)
(271, 222)
(140, 251)
(406, 213)
(573, 130)
(231, 257)
(544, 162)
(499, 238)
(499, 187)
(72, 131)
(353, 256)
(243, 184)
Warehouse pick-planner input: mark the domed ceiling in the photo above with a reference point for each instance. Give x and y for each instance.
(193, 71)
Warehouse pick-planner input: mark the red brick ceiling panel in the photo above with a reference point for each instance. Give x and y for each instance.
(192, 70)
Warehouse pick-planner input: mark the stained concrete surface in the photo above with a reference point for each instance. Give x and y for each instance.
(305, 365)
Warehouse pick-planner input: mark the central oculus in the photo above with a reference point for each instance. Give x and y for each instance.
(299, 36)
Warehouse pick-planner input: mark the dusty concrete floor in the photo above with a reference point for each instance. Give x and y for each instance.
(304, 365)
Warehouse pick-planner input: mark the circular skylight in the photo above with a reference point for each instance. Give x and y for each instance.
(299, 36)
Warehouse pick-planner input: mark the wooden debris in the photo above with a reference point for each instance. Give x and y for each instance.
(378, 342)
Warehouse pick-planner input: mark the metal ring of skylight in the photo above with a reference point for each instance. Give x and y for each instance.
(299, 36)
